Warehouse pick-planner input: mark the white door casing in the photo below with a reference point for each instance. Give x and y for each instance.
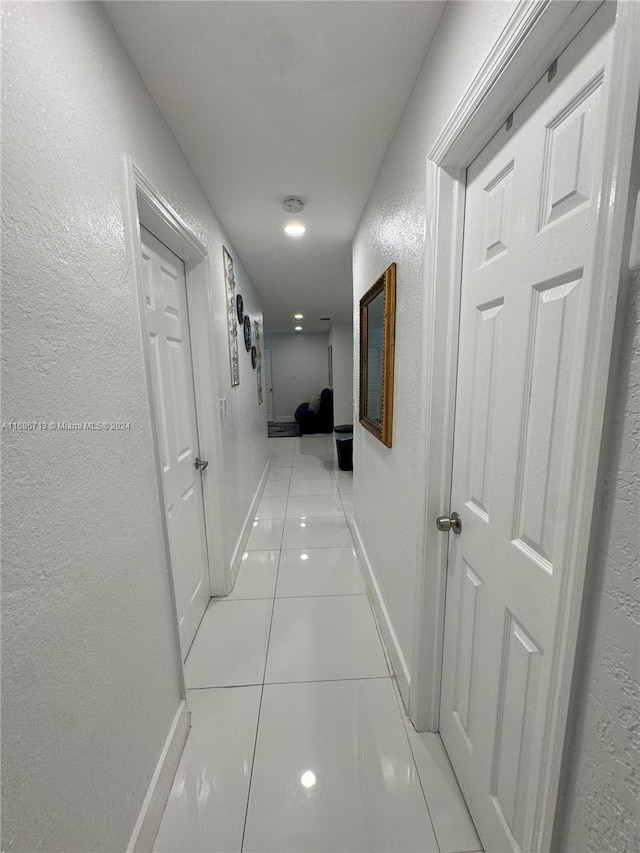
(167, 324)
(532, 212)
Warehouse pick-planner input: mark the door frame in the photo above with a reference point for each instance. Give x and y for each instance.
(533, 38)
(148, 208)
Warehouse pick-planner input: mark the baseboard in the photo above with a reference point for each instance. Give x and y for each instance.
(284, 419)
(389, 637)
(148, 823)
(238, 551)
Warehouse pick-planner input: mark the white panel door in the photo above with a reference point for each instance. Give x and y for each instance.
(167, 323)
(531, 213)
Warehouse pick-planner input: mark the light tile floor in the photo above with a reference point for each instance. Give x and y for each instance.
(299, 741)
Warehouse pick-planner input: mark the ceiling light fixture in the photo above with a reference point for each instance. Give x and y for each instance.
(298, 316)
(308, 779)
(294, 229)
(298, 328)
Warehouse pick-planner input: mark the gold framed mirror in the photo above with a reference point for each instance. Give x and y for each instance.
(377, 345)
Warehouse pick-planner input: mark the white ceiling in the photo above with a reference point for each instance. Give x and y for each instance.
(274, 98)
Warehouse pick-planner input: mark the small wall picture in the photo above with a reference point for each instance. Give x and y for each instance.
(232, 328)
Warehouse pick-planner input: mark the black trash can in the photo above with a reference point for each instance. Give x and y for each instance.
(344, 446)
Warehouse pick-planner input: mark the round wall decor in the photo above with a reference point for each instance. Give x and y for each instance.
(240, 308)
(247, 333)
(254, 357)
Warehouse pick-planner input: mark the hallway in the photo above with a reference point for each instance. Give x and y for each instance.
(287, 155)
(298, 741)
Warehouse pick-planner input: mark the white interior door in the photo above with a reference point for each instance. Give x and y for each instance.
(167, 323)
(268, 383)
(531, 213)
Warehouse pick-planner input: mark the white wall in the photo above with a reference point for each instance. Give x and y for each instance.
(386, 481)
(341, 340)
(90, 672)
(299, 368)
(599, 802)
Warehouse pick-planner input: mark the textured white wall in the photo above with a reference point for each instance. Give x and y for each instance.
(341, 339)
(599, 810)
(90, 677)
(299, 368)
(386, 481)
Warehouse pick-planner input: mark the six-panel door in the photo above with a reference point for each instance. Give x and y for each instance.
(167, 322)
(531, 212)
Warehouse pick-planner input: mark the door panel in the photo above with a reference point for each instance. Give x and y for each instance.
(167, 322)
(530, 217)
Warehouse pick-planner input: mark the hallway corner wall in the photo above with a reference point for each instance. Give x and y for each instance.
(388, 484)
(341, 340)
(90, 672)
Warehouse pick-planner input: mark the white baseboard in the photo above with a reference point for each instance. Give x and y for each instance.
(389, 637)
(284, 419)
(148, 823)
(238, 551)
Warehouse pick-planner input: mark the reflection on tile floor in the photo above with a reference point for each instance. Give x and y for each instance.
(298, 739)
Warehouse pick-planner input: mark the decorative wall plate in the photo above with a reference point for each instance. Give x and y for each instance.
(254, 357)
(240, 308)
(247, 332)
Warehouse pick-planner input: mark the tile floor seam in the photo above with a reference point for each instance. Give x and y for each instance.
(184, 659)
(403, 716)
(319, 595)
(324, 595)
(253, 763)
(329, 680)
(316, 548)
(264, 673)
(224, 686)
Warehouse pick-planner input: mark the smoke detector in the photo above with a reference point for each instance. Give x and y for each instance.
(293, 204)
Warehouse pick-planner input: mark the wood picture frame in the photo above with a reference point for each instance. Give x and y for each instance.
(377, 349)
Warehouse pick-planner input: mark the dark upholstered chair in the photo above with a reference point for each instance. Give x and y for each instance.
(320, 421)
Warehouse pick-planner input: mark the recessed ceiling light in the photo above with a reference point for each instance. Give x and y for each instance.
(294, 229)
(308, 779)
(298, 316)
(298, 328)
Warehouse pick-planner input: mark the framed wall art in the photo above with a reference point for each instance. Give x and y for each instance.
(232, 326)
(377, 345)
(257, 335)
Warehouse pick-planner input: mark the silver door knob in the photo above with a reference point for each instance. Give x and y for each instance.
(449, 522)
(201, 464)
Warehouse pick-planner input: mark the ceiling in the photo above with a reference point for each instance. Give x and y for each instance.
(273, 98)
